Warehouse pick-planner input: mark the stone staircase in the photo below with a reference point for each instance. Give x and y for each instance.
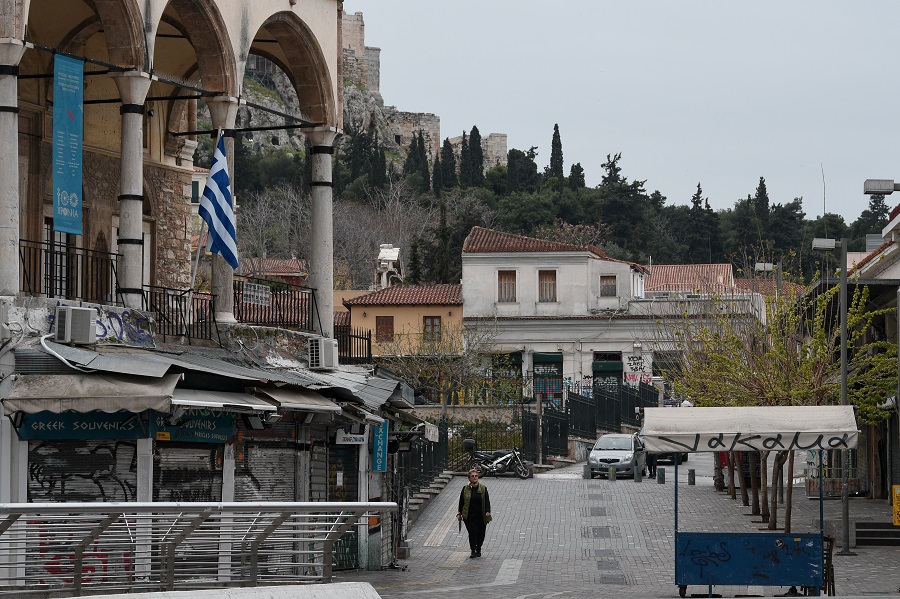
(877, 533)
(423, 497)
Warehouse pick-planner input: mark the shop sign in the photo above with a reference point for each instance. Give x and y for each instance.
(379, 447)
(195, 425)
(344, 438)
(75, 425)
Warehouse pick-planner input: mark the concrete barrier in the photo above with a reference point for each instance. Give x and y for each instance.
(336, 590)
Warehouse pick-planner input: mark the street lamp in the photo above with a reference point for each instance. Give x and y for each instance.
(822, 244)
(769, 267)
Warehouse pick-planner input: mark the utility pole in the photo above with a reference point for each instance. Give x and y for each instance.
(539, 398)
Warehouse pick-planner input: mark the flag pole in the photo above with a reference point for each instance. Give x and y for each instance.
(190, 307)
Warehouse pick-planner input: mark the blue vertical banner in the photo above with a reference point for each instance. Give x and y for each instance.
(68, 123)
(379, 447)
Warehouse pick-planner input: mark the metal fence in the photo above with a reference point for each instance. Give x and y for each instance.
(354, 345)
(73, 549)
(554, 432)
(264, 302)
(60, 270)
(181, 313)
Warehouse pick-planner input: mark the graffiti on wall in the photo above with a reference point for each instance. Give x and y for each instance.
(637, 370)
(115, 325)
(56, 566)
(82, 471)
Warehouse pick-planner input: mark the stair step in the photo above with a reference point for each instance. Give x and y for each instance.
(416, 501)
(882, 542)
(877, 526)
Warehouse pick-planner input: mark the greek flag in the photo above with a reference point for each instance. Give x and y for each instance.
(216, 210)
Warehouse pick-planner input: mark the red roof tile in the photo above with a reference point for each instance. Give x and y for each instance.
(706, 278)
(272, 266)
(481, 240)
(411, 295)
(341, 318)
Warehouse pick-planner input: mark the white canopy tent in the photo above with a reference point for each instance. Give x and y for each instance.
(749, 428)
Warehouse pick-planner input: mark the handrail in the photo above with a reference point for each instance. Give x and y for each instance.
(86, 548)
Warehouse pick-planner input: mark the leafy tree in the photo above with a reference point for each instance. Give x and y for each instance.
(872, 220)
(442, 365)
(523, 212)
(556, 156)
(522, 171)
(730, 355)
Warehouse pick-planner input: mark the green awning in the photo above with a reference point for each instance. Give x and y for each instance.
(607, 367)
(555, 358)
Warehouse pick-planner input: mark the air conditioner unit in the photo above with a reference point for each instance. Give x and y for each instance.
(75, 325)
(323, 353)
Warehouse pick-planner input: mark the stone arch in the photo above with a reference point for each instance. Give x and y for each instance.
(202, 25)
(303, 61)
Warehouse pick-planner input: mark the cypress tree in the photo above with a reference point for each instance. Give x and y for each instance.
(423, 164)
(556, 156)
(465, 164)
(414, 266)
(448, 164)
(437, 182)
(476, 159)
(411, 164)
(576, 176)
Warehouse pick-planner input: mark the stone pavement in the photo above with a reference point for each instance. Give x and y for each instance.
(559, 535)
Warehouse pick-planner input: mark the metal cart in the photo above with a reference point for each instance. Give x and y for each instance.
(759, 559)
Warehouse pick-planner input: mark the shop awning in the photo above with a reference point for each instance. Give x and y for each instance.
(749, 428)
(360, 414)
(301, 400)
(32, 393)
(220, 400)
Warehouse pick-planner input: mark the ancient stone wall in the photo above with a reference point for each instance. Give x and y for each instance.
(172, 221)
(493, 146)
(406, 124)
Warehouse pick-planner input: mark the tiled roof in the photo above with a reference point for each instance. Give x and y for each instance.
(766, 286)
(481, 240)
(705, 278)
(884, 246)
(341, 318)
(488, 240)
(272, 266)
(411, 295)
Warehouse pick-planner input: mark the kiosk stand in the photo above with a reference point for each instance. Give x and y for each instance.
(759, 559)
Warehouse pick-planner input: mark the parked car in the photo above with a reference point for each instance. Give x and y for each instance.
(622, 451)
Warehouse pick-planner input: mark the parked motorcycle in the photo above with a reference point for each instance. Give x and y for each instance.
(498, 462)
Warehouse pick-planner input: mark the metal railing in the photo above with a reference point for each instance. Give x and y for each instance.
(180, 313)
(59, 270)
(73, 549)
(354, 345)
(272, 303)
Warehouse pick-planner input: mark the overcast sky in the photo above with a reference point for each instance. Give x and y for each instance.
(719, 93)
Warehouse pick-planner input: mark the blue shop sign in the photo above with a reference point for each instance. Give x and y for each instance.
(76, 425)
(195, 425)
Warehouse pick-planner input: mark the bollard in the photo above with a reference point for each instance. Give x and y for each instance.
(661, 476)
(638, 475)
(612, 473)
(586, 473)
(691, 476)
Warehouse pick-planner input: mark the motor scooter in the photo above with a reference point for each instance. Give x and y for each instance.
(497, 462)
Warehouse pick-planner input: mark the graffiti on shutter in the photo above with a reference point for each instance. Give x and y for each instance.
(187, 472)
(102, 470)
(265, 471)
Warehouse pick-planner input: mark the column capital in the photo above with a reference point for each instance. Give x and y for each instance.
(11, 51)
(133, 85)
(321, 136)
(222, 111)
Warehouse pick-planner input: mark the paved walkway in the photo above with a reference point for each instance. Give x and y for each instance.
(559, 535)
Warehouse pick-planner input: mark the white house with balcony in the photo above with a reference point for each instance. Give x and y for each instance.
(561, 310)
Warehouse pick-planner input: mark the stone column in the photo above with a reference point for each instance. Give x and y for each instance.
(223, 112)
(133, 87)
(11, 52)
(321, 255)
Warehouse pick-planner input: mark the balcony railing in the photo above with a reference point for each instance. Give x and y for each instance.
(73, 549)
(180, 313)
(272, 303)
(354, 345)
(58, 270)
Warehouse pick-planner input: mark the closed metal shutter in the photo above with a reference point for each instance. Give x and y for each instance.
(266, 465)
(187, 472)
(343, 485)
(67, 471)
(318, 465)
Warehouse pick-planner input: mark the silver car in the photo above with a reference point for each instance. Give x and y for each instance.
(621, 451)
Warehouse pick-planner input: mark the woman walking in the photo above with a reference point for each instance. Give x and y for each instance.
(475, 511)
